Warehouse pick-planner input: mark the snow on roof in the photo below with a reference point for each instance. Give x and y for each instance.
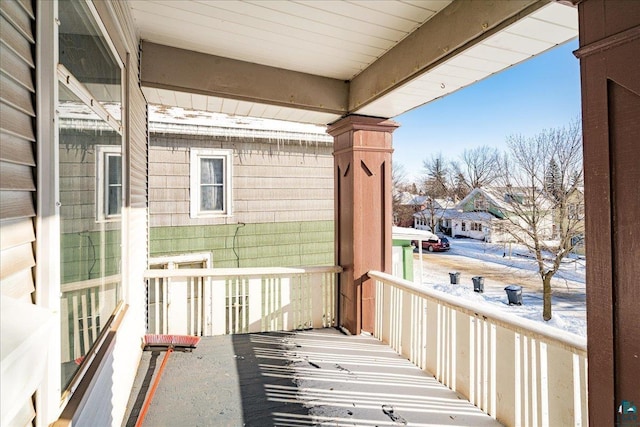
(457, 214)
(475, 216)
(404, 233)
(176, 120)
(493, 195)
(444, 203)
(407, 198)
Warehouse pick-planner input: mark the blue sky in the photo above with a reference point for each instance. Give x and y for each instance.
(540, 93)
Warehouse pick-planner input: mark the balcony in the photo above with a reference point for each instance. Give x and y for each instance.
(272, 356)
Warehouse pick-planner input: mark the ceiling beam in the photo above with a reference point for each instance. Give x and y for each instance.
(166, 67)
(457, 27)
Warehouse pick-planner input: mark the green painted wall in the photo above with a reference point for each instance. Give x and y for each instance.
(82, 255)
(469, 206)
(407, 258)
(286, 244)
(408, 263)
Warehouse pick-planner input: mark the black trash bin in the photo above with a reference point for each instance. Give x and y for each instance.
(454, 278)
(478, 284)
(514, 294)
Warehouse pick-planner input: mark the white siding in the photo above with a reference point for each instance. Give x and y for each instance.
(17, 172)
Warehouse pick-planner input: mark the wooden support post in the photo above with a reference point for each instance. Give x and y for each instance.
(363, 213)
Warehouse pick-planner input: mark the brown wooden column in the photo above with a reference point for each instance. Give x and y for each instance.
(610, 71)
(363, 215)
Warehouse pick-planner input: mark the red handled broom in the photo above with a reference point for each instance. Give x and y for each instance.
(168, 343)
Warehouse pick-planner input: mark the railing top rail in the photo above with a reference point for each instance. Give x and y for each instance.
(90, 283)
(239, 272)
(512, 322)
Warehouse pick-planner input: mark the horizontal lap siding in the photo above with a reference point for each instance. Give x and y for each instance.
(271, 183)
(17, 159)
(282, 192)
(255, 244)
(138, 144)
(17, 138)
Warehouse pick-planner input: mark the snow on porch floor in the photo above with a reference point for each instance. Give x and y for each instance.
(315, 377)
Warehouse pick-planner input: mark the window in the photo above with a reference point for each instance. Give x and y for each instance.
(476, 226)
(480, 204)
(210, 182)
(109, 182)
(575, 211)
(90, 191)
(464, 226)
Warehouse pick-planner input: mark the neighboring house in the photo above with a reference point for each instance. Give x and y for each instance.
(484, 214)
(475, 225)
(405, 206)
(481, 215)
(434, 216)
(573, 217)
(239, 192)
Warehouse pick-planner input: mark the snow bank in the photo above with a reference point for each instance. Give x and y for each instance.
(569, 313)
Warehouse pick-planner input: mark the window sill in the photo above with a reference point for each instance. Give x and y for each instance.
(210, 215)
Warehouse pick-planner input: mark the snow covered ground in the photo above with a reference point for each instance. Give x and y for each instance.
(503, 265)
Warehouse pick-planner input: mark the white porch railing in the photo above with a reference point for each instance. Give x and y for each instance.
(85, 307)
(521, 372)
(208, 302)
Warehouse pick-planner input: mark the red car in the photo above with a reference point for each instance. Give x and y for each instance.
(435, 245)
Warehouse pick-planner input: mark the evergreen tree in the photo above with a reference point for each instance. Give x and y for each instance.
(553, 180)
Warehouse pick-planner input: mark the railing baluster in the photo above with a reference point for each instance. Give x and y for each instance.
(244, 307)
(190, 296)
(207, 307)
(76, 328)
(94, 314)
(84, 320)
(534, 381)
(165, 305)
(156, 325)
(200, 306)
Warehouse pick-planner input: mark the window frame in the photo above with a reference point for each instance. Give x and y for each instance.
(480, 204)
(103, 152)
(53, 75)
(196, 155)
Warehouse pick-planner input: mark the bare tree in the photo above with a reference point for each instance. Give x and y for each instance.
(540, 177)
(398, 177)
(479, 166)
(402, 212)
(398, 182)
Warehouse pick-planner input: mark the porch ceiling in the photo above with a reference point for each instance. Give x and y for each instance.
(314, 61)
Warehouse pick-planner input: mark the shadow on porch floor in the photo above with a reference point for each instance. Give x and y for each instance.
(316, 377)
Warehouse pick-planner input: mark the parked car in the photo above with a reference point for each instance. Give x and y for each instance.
(434, 245)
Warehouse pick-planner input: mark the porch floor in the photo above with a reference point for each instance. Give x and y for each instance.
(316, 377)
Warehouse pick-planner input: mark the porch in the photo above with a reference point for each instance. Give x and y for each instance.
(310, 377)
(431, 360)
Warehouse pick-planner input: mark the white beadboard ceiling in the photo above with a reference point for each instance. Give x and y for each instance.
(336, 39)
